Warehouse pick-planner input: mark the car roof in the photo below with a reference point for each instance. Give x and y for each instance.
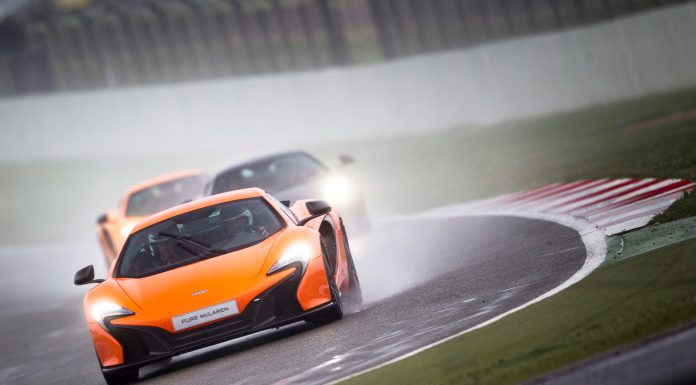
(197, 204)
(163, 179)
(258, 158)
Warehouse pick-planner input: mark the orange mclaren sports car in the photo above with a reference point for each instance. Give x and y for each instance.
(214, 269)
(142, 200)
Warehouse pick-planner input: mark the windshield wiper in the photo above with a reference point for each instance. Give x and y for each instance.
(187, 240)
(184, 236)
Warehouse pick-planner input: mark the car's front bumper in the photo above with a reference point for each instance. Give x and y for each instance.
(274, 307)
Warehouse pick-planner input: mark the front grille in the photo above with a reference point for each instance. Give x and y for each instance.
(279, 302)
(272, 307)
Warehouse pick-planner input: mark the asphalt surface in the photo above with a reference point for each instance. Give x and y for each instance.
(423, 280)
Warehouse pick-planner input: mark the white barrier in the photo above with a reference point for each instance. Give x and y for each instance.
(625, 58)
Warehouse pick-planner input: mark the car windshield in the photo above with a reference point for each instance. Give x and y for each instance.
(199, 234)
(165, 195)
(271, 174)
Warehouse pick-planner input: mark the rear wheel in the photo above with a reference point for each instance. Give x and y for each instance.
(121, 376)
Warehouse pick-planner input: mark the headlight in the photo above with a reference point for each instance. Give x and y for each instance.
(126, 229)
(297, 252)
(102, 310)
(337, 190)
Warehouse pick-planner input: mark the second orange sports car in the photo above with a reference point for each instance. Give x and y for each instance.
(214, 269)
(145, 199)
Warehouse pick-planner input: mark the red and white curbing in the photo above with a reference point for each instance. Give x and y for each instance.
(594, 208)
(611, 205)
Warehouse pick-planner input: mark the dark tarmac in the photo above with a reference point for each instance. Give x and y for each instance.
(423, 280)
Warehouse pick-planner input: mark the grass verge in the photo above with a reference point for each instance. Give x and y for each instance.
(409, 174)
(685, 207)
(617, 304)
(58, 200)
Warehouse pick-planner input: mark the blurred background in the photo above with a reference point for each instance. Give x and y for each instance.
(438, 100)
(71, 45)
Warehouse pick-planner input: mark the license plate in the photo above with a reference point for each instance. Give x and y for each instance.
(207, 314)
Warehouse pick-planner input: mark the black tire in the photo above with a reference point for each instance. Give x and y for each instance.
(329, 242)
(121, 376)
(335, 312)
(353, 298)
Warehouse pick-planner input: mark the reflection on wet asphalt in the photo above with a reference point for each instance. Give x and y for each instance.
(423, 280)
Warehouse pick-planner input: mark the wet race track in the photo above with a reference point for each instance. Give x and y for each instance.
(423, 280)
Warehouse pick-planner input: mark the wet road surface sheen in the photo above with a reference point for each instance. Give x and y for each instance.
(423, 280)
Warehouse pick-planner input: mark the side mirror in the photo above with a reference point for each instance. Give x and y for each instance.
(107, 216)
(316, 209)
(346, 159)
(85, 276)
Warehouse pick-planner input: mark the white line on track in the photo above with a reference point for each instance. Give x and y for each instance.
(641, 211)
(573, 193)
(622, 198)
(592, 208)
(602, 199)
(592, 238)
(562, 201)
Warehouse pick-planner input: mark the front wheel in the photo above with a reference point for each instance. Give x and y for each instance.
(121, 376)
(354, 296)
(335, 312)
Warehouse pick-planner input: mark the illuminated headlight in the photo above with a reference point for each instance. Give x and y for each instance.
(297, 252)
(102, 310)
(337, 190)
(126, 230)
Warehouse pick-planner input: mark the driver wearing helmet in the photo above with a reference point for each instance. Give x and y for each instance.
(163, 249)
(158, 253)
(239, 228)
